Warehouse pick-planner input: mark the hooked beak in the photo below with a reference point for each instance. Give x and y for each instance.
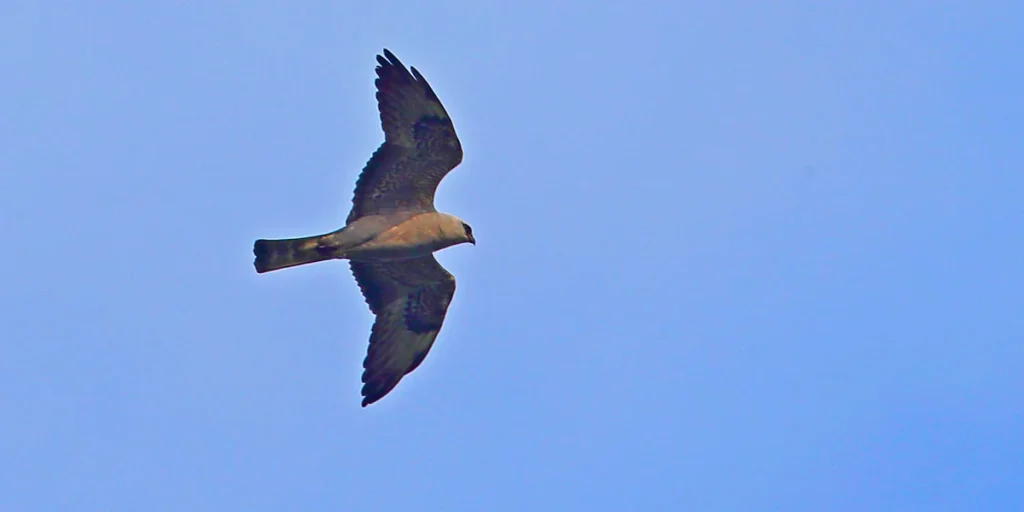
(472, 240)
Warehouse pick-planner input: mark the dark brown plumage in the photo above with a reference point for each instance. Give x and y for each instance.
(420, 145)
(393, 228)
(410, 299)
(420, 148)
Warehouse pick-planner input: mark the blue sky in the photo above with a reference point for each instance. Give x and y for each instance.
(731, 256)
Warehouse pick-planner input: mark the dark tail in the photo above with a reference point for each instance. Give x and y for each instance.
(278, 254)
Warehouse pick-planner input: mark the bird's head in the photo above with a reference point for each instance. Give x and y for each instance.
(468, 231)
(454, 230)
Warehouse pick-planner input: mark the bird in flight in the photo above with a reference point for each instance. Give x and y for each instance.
(393, 229)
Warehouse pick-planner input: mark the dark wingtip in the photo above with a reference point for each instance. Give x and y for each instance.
(374, 388)
(388, 59)
(369, 398)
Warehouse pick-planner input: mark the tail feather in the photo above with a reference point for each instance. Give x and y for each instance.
(278, 254)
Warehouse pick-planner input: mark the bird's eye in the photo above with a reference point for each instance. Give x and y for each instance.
(469, 230)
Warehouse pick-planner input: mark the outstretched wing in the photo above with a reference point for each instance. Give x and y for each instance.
(420, 145)
(410, 299)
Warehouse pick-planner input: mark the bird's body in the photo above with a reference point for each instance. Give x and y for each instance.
(393, 229)
(374, 238)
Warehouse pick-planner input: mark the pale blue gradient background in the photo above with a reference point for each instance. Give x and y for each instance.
(732, 256)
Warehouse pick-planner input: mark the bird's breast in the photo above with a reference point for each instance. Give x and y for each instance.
(410, 239)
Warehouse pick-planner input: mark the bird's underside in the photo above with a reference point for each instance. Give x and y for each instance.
(393, 229)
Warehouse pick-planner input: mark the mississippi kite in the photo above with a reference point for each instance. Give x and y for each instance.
(393, 229)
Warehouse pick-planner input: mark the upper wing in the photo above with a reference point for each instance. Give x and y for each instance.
(420, 145)
(410, 299)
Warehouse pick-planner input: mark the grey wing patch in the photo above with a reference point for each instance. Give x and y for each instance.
(410, 299)
(420, 144)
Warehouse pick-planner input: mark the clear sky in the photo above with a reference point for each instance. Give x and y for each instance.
(731, 256)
